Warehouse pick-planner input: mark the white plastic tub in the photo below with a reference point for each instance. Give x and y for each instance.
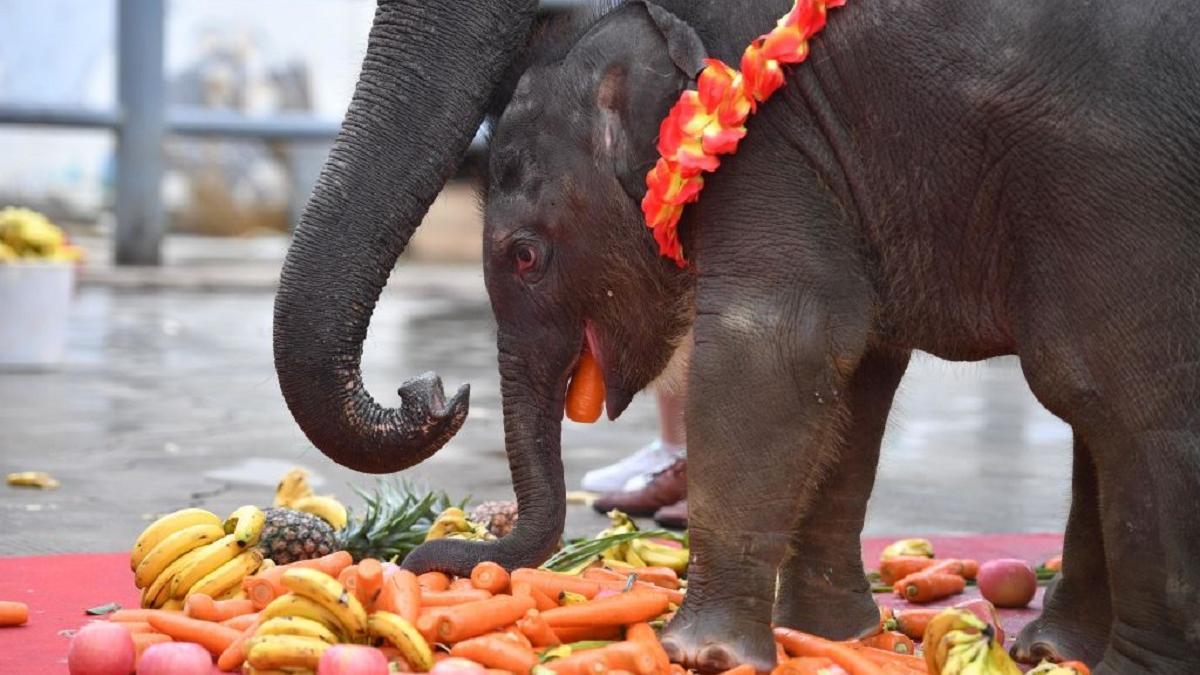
(35, 301)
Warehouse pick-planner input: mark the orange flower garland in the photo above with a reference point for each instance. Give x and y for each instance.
(710, 120)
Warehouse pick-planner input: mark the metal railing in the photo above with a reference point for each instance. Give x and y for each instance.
(143, 120)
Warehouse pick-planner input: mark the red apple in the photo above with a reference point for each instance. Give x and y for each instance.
(175, 658)
(457, 666)
(101, 648)
(1007, 582)
(352, 660)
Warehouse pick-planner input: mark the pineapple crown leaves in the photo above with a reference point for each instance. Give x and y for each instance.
(396, 515)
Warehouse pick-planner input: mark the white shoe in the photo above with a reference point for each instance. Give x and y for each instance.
(643, 463)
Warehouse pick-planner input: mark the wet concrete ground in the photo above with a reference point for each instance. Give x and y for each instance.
(168, 398)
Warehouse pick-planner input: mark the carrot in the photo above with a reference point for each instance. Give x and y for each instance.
(912, 622)
(433, 581)
(461, 584)
(200, 606)
(659, 576)
(13, 613)
(489, 576)
(805, 665)
(370, 582)
(634, 657)
(803, 644)
(240, 622)
(137, 627)
(626, 608)
(261, 589)
(535, 628)
(1077, 666)
(673, 596)
(1055, 564)
(496, 652)
(964, 568)
(513, 633)
(986, 612)
(450, 598)
(569, 634)
(553, 583)
(544, 602)
(348, 578)
(235, 654)
(265, 586)
(476, 618)
(895, 569)
(125, 615)
(780, 654)
(585, 394)
(401, 595)
(891, 641)
(212, 636)
(890, 662)
(643, 633)
(331, 564)
(142, 642)
(744, 669)
(929, 587)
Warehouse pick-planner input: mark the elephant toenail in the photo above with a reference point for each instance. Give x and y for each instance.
(673, 650)
(715, 659)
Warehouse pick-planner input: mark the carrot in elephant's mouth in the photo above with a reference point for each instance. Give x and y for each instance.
(585, 394)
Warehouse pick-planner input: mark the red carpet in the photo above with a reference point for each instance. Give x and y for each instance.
(59, 588)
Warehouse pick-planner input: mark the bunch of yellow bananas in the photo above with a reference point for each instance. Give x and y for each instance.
(959, 643)
(920, 548)
(295, 493)
(1049, 668)
(194, 551)
(26, 234)
(640, 552)
(297, 627)
(454, 524)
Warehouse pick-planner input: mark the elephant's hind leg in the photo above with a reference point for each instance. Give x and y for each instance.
(822, 588)
(1077, 612)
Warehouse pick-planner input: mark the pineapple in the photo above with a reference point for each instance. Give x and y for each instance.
(394, 521)
(498, 517)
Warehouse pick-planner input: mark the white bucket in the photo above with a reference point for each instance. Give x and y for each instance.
(35, 300)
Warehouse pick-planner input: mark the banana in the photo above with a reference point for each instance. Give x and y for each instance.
(296, 625)
(659, 555)
(158, 592)
(290, 604)
(958, 643)
(285, 651)
(1049, 668)
(328, 509)
(293, 486)
(170, 548)
(173, 604)
(246, 525)
(922, 548)
(166, 526)
(404, 637)
(451, 521)
(207, 558)
(569, 598)
(328, 593)
(229, 575)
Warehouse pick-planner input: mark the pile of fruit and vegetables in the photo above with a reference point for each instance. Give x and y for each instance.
(308, 586)
(28, 236)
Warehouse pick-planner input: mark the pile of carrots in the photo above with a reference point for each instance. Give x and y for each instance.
(595, 622)
(921, 580)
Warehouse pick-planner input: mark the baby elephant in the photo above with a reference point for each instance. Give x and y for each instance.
(971, 179)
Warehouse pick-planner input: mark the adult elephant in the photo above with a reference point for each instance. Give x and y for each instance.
(970, 179)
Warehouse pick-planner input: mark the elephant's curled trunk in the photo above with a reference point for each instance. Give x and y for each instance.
(429, 70)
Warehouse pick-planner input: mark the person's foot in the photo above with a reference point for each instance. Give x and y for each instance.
(673, 516)
(612, 478)
(665, 488)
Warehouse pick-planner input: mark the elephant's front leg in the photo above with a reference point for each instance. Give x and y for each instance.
(767, 387)
(823, 568)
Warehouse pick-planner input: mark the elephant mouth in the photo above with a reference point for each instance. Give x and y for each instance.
(616, 395)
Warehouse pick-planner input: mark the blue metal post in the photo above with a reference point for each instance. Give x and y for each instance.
(142, 98)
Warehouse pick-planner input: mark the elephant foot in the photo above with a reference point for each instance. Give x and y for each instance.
(832, 613)
(1069, 629)
(714, 643)
(1133, 651)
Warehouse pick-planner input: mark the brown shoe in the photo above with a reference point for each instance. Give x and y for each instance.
(665, 488)
(673, 516)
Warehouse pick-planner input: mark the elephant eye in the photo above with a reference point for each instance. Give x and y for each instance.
(526, 256)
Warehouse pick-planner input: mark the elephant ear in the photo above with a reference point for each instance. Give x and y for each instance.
(637, 89)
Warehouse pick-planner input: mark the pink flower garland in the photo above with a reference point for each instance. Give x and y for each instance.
(710, 121)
